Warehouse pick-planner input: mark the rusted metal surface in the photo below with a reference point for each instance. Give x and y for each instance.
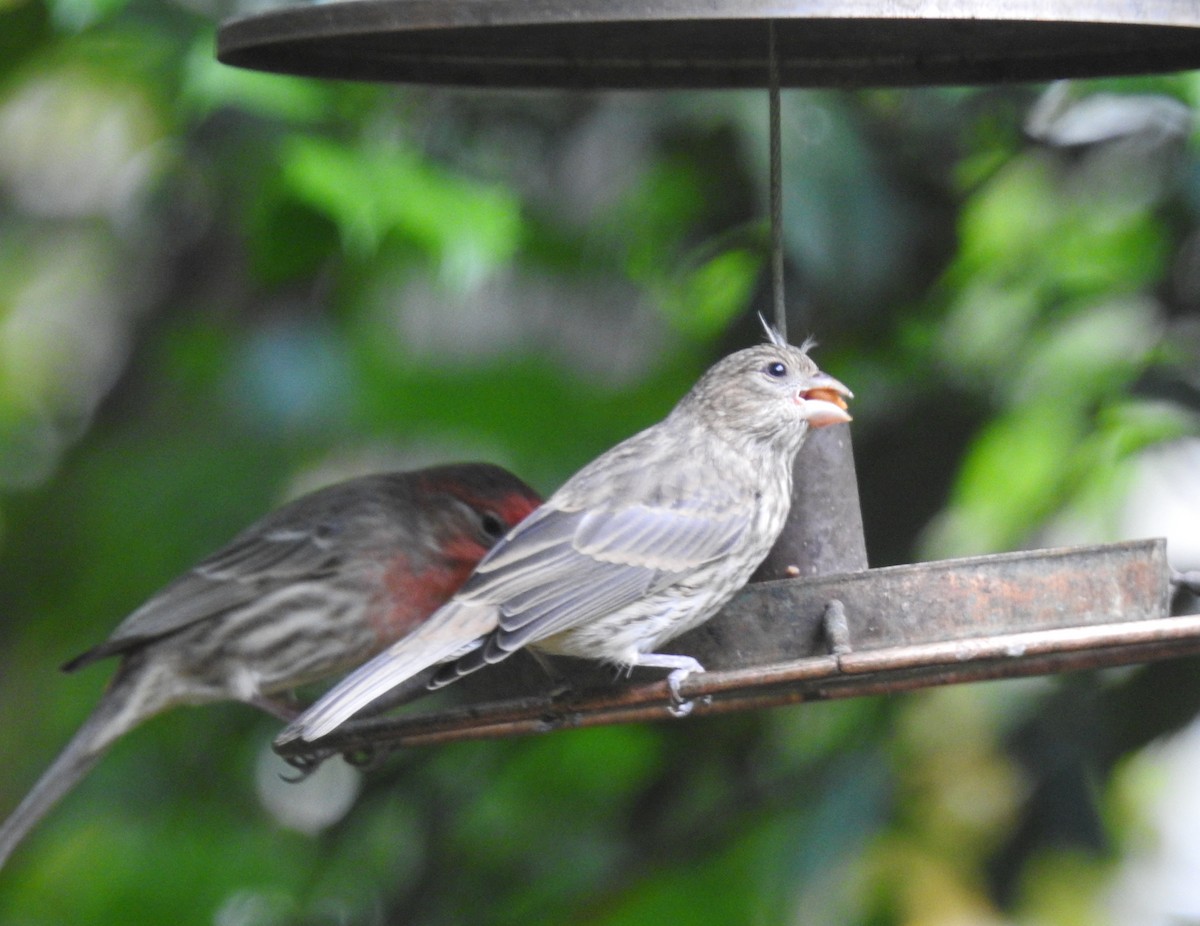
(934, 602)
(814, 679)
(908, 627)
(715, 43)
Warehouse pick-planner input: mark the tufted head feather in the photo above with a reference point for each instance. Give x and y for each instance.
(777, 339)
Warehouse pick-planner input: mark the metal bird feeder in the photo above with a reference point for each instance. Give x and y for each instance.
(823, 625)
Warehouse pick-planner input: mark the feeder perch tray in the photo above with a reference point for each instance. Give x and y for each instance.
(1003, 616)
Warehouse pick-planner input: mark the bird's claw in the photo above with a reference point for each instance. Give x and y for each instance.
(362, 758)
(679, 706)
(305, 765)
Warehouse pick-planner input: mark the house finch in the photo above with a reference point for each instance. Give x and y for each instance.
(644, 543)
(310, 590)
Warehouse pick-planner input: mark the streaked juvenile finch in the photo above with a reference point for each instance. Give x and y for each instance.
(647, 541)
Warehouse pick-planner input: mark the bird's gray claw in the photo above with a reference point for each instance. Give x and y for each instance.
(679, 706)
(305, 765)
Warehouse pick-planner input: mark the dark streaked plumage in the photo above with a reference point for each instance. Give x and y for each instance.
(310, 590)
(642, 544)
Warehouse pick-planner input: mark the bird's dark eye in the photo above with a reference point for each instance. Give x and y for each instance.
(776, 369)
(492, 526)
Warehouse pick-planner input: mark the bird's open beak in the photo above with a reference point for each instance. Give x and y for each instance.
(823, 401)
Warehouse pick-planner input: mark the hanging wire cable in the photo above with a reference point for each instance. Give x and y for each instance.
(776, 183)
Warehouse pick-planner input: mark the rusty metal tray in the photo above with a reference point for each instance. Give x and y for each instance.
(892, 629)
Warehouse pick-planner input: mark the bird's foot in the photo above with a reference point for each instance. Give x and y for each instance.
(681, 667)
(679, 706)
(559, 687)
(306, 764)
(363, 758)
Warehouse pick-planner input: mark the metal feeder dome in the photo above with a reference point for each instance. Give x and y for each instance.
(839, 629)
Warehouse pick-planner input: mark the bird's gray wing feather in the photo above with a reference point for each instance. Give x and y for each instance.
(283, 553)
(570, 567)
(248, 568)
(671, 539)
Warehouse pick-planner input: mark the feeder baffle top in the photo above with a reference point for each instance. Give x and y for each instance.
(658, 44)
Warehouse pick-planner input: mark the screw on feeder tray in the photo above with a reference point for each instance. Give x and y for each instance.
(837, 628)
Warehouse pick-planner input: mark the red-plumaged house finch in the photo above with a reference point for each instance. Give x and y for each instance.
(310, 590)
(649, 540)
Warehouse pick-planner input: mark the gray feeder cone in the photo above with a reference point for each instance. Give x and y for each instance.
(824, 530)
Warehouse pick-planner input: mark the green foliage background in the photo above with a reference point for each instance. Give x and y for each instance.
(220, 288)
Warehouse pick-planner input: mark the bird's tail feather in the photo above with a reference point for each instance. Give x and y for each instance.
(114, 716)
(456, 629)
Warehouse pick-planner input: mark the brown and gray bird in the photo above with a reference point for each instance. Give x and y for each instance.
(309, 591)
(644, 543)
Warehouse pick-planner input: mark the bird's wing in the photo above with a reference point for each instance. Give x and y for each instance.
(247, 569)
(283, 553)
(570, 567)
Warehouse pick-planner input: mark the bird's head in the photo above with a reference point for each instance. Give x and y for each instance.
(472, 505)
(771, 393)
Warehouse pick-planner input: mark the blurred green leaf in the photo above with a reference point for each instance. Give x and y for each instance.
(1010, 480)
(1130, 426)
(709, 298)
(208, 85)
(1093, 353)
(469, 228)
(76, 15)
(650, 221)
(25, 29)
(986, 327)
